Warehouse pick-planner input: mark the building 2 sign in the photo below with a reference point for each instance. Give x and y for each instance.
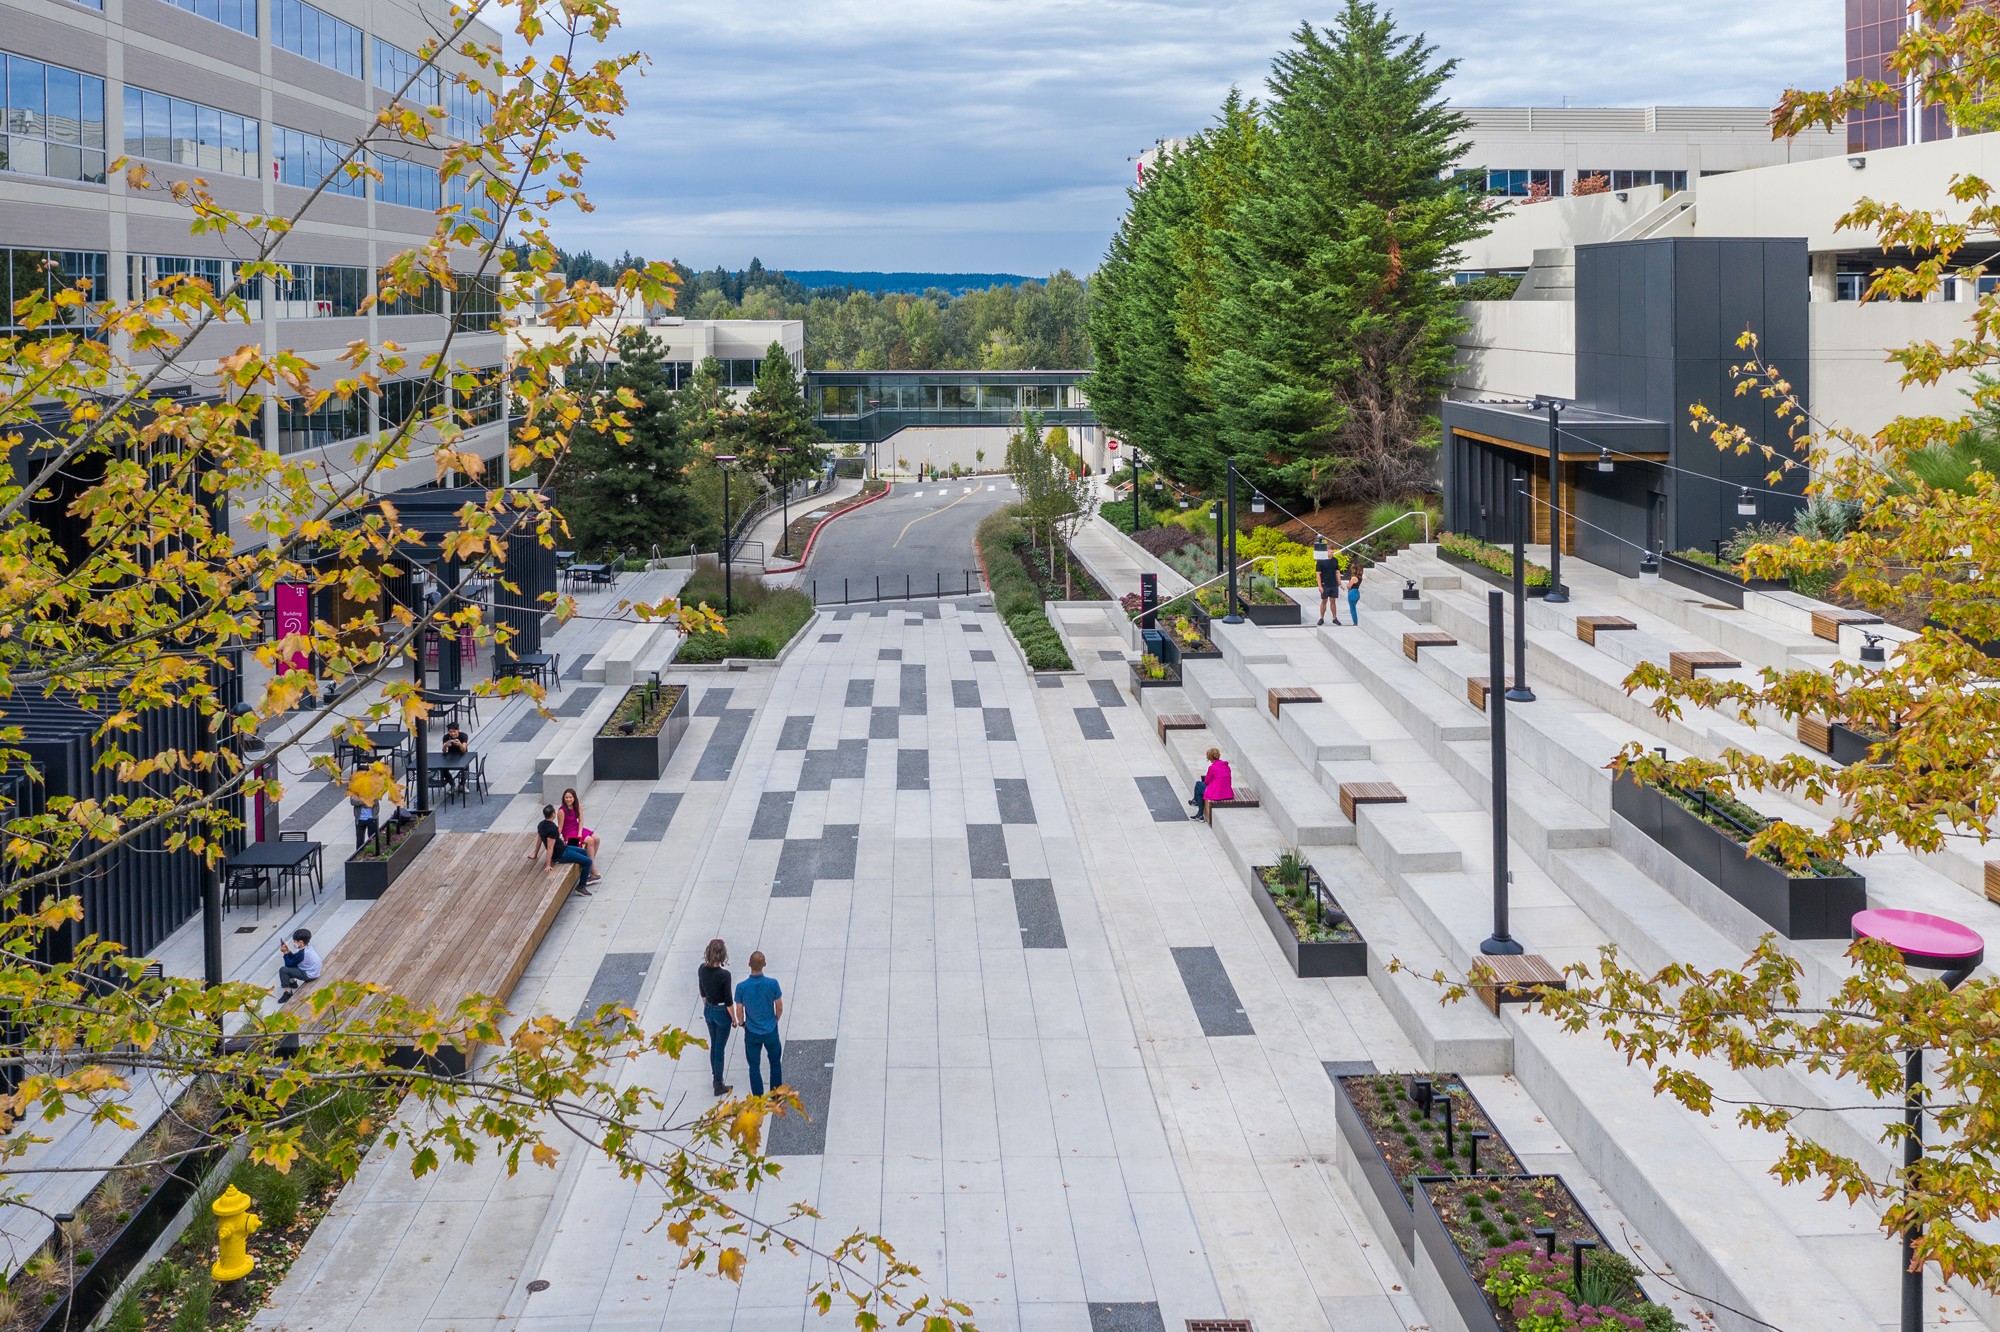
(292, 603)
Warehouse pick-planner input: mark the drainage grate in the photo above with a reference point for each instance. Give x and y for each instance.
(1218, 1325)
(246, 929)
(538, 1285)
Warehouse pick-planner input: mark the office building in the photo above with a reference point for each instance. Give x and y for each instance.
(739, 344)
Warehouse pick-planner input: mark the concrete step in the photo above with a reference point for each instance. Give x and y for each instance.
(1290, 794)
(1419, 704)
(1212, 686)
(1316, 734)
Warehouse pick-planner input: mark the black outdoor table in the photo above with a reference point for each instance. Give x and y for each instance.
(458, 767)
(589, 574)
(541, 665)
(455, 703)
(385, 740)
(280, 857)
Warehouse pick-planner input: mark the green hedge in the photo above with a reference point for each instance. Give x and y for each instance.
(759, 632)
(1000, 539)
(1490, 556)
(1039, 641)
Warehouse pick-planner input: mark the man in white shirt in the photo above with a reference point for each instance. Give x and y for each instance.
(301, 963)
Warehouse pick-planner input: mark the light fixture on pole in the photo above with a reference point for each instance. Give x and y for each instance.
(1649, 568)
(1235, 615)
(785, 536)
(1502, 943)
(728, 551)
(1520, 693)
(1135, 491)
(1746, 503)
(1215, 512)
(1604, 460)
(1871, 651)
(1256, 501)
(1554, 407)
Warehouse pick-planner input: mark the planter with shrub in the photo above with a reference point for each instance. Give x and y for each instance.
(1490, 563)
(638, 740)
(1315, 935)
(1182, 638)
(1262, 601)
(1700, 572)
(383, 858)
(1152, 673)
(765, 618)
(1392, 1129)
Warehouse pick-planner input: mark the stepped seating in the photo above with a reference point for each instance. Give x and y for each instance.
(1211, 687)
(1278, 696)
(1685, 664)
(1178, 721)
(1416, 640)
(1369, 793)
(1304, 813)
(1588, 627)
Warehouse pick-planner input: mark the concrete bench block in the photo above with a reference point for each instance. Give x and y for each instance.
(1211, 685)
(1401, 839)
(1244, 644)
(1316, 734)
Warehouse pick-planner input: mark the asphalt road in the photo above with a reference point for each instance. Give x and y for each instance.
(922, 533)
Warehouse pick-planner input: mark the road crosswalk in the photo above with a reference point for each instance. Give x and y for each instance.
(950, 490)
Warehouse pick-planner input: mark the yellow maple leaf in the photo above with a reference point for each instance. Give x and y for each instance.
(730, 1264)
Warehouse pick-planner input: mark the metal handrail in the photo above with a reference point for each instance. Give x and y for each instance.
(1251, 560)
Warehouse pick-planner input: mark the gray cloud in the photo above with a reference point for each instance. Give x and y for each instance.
(980, 135)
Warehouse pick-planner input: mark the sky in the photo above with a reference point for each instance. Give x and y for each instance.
(997, 135)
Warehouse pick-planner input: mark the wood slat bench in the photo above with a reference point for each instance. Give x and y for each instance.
(1517, 979)
(1826, 624)
(1417, 640)
(1368, 793)
(1993, 880)
(1588, 627)
(1476, 688)
(1683, 665)
(464, 918)
(1814, 734)
(1244, 798)
(1277, 698)
(1180, 721)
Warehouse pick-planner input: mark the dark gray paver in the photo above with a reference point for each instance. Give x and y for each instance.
(1107, 693)
(1348, 1068)
(965, 693)
(525, 728)
(473, 814)
(578, 700)
(850, 759)
(884, 723)
(839, 846)
(575, 671)
(831, 638)
(809, 1067)
(1126, 1318)
(797, 733)
(911, 697)
(774, 817)
(618, 978)
(1162, 799)
(1046, 681)
(971, 628)
(986, 844)
(718, 758)
(1215, 1003)
(798, 866)
(1110, 654)
(316, 807)
(913, 622)
(1016, 805)
(860, 693)
(1093, 723)
(713, 702)
(913, 770)
(655, 816)
(1041, 920)
(821, 766)
(982, 654)
(890, 654)
(999, 723)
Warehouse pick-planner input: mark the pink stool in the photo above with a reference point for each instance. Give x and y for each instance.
(1935, 944)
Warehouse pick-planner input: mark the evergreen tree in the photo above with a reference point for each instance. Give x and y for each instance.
(777, 417)
(1337, 308)
(622, 489)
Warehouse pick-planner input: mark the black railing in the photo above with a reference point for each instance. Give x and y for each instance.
(911, 587)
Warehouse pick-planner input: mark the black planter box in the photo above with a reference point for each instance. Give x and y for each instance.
(1172, 653)
(1723, 586)
(1808, 907)
(1171, 680)
(1348, 957)
(1848, 746)
(1390, 1195)
(115, 1261)
(639, 758)
(1481, 572)
(1470, 1300)
(368, 879)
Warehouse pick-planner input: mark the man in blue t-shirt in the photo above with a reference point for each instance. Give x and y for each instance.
(759, 1005)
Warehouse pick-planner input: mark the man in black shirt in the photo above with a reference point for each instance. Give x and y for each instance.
(552, 851)
(1327, 565)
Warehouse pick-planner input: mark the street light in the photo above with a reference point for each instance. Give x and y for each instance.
(1502, 943)
(1746, 503)
(1235, 615)
(785, 537)
(1135, 492)
(1554, 407)
(1520, 693)
(728, 606)
(1215, 512)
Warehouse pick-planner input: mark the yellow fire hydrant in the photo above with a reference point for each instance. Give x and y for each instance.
(232, 1209)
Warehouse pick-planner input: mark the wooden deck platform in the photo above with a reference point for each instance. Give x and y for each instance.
(464, 918)
(1683, 665)
(1588, 627)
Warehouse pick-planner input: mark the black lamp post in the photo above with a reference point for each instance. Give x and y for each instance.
(1215, 512)
(211, 892)
(1520, 693)
(728, 546)
(1135, 492)
(1235, 615)
(1554, 408)
(1502, 943)
(785, 536)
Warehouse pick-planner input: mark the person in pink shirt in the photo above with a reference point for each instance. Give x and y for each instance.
(1213, 784)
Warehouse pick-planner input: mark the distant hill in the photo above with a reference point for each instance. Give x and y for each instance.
(955, 283)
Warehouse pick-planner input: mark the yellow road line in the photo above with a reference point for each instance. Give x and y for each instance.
(932, 514)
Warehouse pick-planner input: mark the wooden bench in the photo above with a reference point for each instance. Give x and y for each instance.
(1277, 698)
(1419, 639)
(1368, 793)
(1826, 624)
(1516, 980)
(464, 918)
(1683, 665)
(1476, 688)
(1244, 798)
(1180, 721)
(1815, 734)
(1588, 627)
(1993, 880)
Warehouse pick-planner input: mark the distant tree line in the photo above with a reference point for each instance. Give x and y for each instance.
(1022, 326)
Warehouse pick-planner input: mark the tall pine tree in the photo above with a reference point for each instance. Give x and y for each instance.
(781, 440)
(622, 489)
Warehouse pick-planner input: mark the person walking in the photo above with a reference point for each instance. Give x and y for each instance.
(1353, 595)
(759, 1005)
(551, 850)
(712, 979)
(1215, 784)
(1327, 566)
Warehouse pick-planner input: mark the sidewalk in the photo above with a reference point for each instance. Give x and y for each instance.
(770, 529)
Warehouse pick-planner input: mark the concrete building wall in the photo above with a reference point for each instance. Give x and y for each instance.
(1516, 349)
(1694, 139)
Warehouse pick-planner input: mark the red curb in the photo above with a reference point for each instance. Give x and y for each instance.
(813, 535)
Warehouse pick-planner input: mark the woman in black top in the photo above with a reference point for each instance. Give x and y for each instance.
(713, 980)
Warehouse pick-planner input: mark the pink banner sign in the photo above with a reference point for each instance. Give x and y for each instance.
(293, 604)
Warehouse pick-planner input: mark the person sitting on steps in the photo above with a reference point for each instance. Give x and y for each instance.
(1212, 785)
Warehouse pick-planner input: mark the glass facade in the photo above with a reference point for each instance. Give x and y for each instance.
(411, 184)
(145, 272)
(167, 129)
(54, 120)
(1674, 181)
(395, 67)
(476, 303)
(866, 406)
(321, 291)
(305, 160)
(405, 398)
(1522, 182)
(238, 14)
(1873, 29)
(472, 203)
(311, 32)
(336, 420)
(466, 113)
(27, 273)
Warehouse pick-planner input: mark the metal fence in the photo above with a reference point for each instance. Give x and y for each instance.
(911, 587)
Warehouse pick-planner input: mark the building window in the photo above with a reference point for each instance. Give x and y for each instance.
(395, 67)
(145, 273)
(1850, 286)
(311, 32)
(466, 113)
(429, 301)
(405, 399)
(336, 420)
(1674, 181)
(410, 184)
(476, 303)
(305, 160)
(167, 129)
(1524, 182)
(26, 273)
(480, 406)
(238, 14)
(54, 121)
(472, 201)
(321, 291)
(740, 373)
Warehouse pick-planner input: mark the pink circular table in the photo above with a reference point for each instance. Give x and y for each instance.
(1924, 940)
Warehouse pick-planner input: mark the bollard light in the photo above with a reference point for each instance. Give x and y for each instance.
(1547, 1235)
(1746, 503)
(1649, 568)
(1604, 460)
(1478, 1136)
(1412, 603)
(1872, 653)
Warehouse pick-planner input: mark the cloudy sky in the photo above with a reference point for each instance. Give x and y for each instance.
(995, 135)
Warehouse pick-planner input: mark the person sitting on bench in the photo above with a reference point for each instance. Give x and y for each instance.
(455, 740)
(1213, 784)
(301, 963)
(552, 850)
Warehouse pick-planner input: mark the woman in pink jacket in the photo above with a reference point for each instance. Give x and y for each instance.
(1212, 785)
